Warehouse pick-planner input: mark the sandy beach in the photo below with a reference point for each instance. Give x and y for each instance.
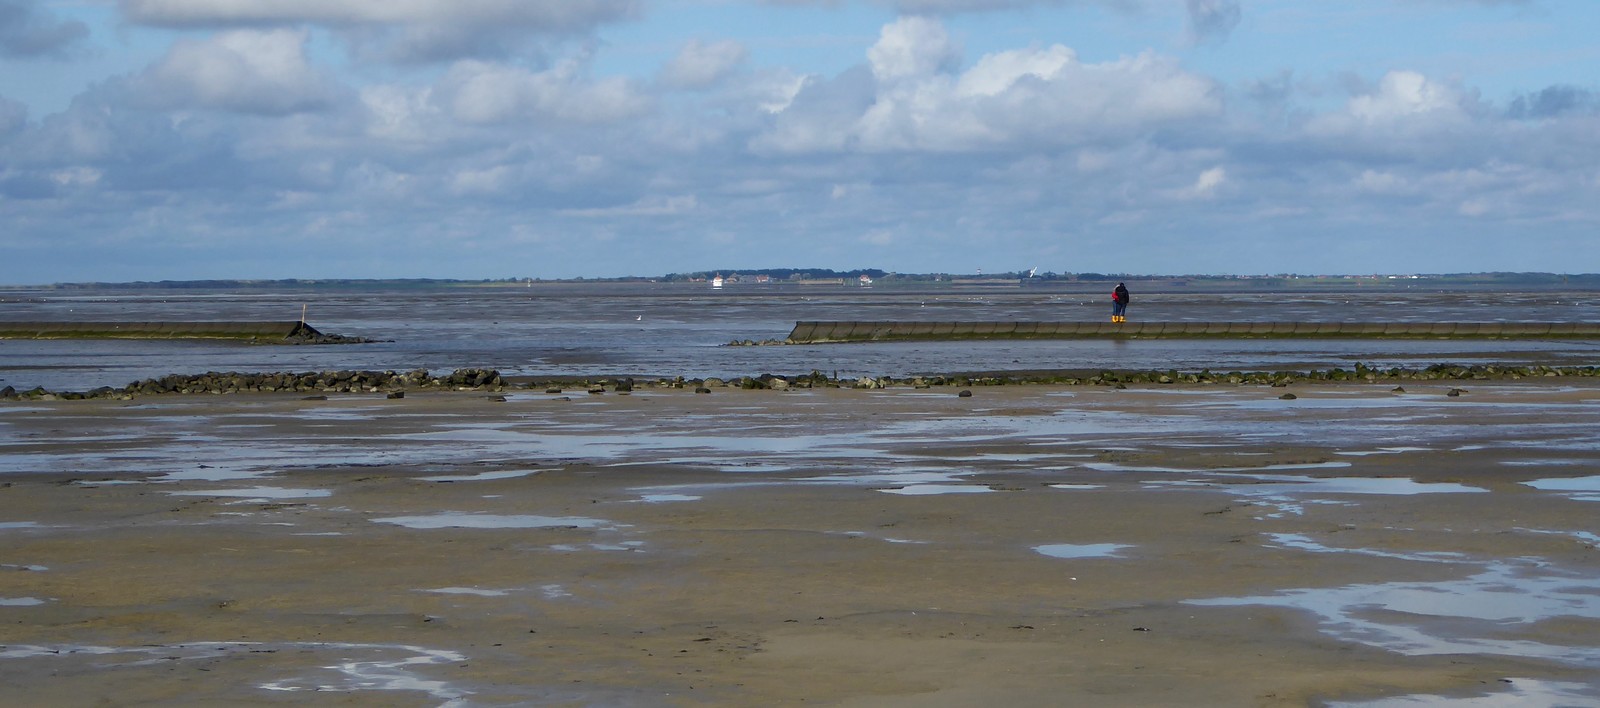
(1027, 545)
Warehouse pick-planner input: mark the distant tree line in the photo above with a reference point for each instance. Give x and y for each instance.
(777, 274)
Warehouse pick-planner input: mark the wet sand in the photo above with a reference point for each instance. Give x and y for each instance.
(1030, 546)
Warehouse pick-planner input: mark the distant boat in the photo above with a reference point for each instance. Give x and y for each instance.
(864, 281)
(716, 283)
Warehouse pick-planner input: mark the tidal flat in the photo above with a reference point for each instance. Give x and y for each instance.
(1029, 545)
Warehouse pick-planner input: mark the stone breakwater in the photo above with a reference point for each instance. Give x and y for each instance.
(323, 382)
(488, 380)
(285, 332)
(866, 331)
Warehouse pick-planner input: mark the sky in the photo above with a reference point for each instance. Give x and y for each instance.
(260, 139)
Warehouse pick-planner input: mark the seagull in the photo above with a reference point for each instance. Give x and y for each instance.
(640, 318)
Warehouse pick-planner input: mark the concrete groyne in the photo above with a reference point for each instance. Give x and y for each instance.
(825, 332)
(290, 332)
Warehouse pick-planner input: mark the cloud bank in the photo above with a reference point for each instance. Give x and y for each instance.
(252, 139)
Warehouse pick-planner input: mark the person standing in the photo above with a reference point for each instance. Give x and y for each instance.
(1119, 303)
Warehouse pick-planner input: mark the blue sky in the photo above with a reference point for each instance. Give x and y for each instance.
(184, 139)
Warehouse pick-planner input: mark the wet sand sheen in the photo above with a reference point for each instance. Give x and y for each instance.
(1125, 547)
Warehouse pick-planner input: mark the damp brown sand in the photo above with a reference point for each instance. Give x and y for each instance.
(668, 548)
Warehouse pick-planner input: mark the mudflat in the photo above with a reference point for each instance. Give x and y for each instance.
(1026, 545)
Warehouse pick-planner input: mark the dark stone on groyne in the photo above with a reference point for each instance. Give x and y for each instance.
(393, 385)
(826, 332)
(291, 332)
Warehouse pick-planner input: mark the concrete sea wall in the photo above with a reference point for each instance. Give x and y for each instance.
(823, 332)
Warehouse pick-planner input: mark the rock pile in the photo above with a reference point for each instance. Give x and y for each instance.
(344, 381)
(311, 336)
(390, 382)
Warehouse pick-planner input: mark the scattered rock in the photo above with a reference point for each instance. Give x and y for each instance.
(965, 393)
(702, 389)
(1288, 397)
(497, 399)
(396, 394)
(1454, 392)
(324, 383)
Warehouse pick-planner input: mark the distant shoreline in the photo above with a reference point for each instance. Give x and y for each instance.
(783, 281)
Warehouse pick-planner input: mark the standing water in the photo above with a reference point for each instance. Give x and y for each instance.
(650, 330)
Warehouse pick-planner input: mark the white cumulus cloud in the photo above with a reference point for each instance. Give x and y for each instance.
(1034, 96)
(702, 64)
(244, 71)
(912, 47)
(1402, 102)
(1206, 184)
(1403, 93)
(488, 93)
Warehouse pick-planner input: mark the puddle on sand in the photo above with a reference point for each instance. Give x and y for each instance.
(919, 475)
(1543, 463)
(21, 601)
(1380, 451)
(1583, 488)
(918, 490)
(216, 473)
(624, 546)
(480, 592)
(256, 493)
(1287, 493)
(493, 521)
(1398, 486)
(384, 667)
(1082, 550)
(1490, 612)
(481, 476)
(1522, 693)
(378, 674)
(660, 498)
(1584, 537)
(1302, 542)
(20, 525)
